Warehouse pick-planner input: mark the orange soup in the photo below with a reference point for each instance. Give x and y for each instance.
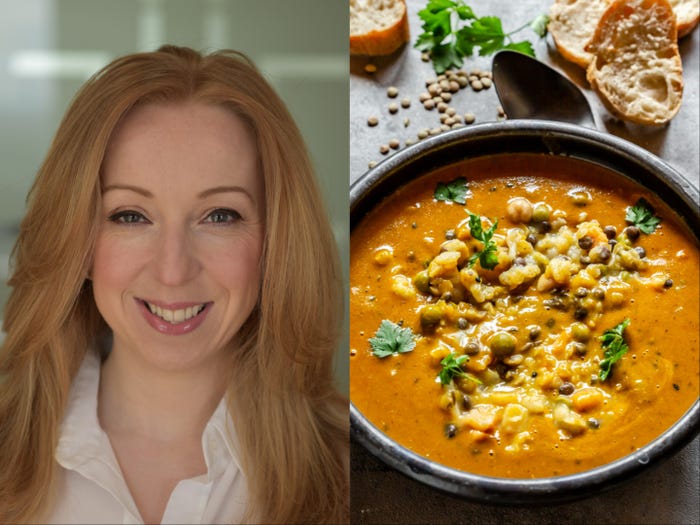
(523, 316)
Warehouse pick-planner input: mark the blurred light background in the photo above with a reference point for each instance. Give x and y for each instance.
(48, 48)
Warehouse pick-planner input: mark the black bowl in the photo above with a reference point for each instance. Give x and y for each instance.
(550, 138)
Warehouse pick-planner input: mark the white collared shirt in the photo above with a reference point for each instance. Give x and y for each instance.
(91, 487)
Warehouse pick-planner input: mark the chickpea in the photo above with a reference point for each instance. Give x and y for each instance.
(519, 209)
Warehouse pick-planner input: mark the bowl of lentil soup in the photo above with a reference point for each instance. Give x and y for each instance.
(524, 311)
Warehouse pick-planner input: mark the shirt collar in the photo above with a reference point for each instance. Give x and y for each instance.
(83, 442)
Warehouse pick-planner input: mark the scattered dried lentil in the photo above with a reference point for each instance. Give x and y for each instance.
(486, 82)
(469, 118)
(442, 107)
(371, 164)
(477, 85)
(429, 104)
(393, 107)
(383, 149)
(394, 143)
(424, 96)
(425, 57)
(406, 122)
(405, 102)
(392, 91)
(446, 96)
(423, 133)
(372, 121)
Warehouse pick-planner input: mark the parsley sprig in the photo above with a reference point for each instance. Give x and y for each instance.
(615, 346)
(452, 367)
(448, 46)
(391, 339)
(488, 256)
(453, 191)
(642, 216)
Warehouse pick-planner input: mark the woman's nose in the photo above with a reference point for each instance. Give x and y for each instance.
(175, 260)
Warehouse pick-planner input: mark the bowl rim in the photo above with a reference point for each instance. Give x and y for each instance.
(519, 490)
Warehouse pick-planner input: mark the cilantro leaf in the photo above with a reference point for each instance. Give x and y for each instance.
(448, 44)
(642, 216)
(485, 33)
(452, 367)
(390, 339)
(453, 191)
(615, 346)
(488, 256)
(523, 47)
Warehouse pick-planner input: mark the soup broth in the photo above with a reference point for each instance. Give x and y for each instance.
(531, 331)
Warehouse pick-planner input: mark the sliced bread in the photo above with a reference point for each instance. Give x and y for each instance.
(687, 15)
(636, 68)
(572, 23)
(377, 27)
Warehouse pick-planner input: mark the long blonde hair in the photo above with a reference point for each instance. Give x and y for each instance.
(291, 423)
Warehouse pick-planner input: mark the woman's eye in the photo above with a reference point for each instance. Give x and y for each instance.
(223, 216)
(127, 217)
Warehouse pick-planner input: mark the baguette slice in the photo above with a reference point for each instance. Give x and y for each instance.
(687, 15)
(636, 68)
(572, 24)
(377, 27)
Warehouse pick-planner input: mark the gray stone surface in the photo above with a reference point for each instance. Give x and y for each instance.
(667, 494)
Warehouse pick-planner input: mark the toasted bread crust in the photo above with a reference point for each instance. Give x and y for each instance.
(378, 27)
(636, 68)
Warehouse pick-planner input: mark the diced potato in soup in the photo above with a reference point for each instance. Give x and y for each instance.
(549, 335)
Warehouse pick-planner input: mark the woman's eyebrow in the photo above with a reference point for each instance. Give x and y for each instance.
(128, 187)
(224, 189)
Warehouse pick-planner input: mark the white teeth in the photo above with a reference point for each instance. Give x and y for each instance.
(175, 316)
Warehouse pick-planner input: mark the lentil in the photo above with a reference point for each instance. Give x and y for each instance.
(392, 91)
(372, 121)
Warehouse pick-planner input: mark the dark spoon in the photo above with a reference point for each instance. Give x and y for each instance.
(529, 89)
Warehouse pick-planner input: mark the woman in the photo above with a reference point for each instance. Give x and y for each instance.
(175, 308)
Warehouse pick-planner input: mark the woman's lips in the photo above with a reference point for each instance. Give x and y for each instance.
(173, 318)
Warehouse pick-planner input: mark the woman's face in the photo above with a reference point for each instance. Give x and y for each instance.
(176, 269)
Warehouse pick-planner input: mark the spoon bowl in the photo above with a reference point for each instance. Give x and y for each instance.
(529, 89)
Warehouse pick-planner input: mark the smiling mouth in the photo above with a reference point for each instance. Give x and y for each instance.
(176, 316)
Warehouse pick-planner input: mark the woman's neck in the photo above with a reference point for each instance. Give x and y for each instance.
(157, 404)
